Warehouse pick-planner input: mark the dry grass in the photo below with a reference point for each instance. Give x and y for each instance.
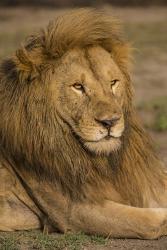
(37, 240)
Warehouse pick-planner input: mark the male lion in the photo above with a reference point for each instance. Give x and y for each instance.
(72, 153)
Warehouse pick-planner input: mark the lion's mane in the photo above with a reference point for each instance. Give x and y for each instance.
(30, 135)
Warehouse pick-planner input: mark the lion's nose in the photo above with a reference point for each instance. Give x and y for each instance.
(108, 123)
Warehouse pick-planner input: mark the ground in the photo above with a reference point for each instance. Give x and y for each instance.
(147, 30)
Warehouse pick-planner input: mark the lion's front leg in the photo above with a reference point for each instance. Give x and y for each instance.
(14, 215)
(107, 219)
(120, 221)
(17, 211)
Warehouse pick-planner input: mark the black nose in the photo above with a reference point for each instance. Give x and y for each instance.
(108, 123)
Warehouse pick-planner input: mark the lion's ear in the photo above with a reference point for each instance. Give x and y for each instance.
(30, 58)
(27, 63)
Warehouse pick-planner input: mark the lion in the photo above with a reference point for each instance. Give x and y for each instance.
(73, 155)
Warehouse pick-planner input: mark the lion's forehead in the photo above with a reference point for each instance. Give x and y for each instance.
(94, 63)
(103, 63)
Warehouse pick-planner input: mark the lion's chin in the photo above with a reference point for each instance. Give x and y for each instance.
(104, 147)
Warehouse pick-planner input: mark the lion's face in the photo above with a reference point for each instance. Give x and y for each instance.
(88, 91)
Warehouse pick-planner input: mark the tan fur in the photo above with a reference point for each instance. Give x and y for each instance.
(52, 143)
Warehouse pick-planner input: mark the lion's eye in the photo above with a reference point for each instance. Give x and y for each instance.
(113, 82)
(79, 87)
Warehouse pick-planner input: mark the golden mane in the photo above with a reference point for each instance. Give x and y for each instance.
(29, 131)
(77, 28)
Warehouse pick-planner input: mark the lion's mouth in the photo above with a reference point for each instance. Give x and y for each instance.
(108, 137)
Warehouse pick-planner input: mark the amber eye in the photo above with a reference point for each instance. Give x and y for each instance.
(79, 87)
(113, 82)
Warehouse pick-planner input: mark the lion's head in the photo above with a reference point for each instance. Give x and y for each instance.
(66, 92)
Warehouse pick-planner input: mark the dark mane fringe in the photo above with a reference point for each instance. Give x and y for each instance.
(31, 136)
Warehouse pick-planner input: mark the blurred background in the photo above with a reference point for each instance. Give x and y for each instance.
(69, 3)
(145, 26)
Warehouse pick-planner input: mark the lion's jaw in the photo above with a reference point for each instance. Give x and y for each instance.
(104, 146)
(85, 98)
